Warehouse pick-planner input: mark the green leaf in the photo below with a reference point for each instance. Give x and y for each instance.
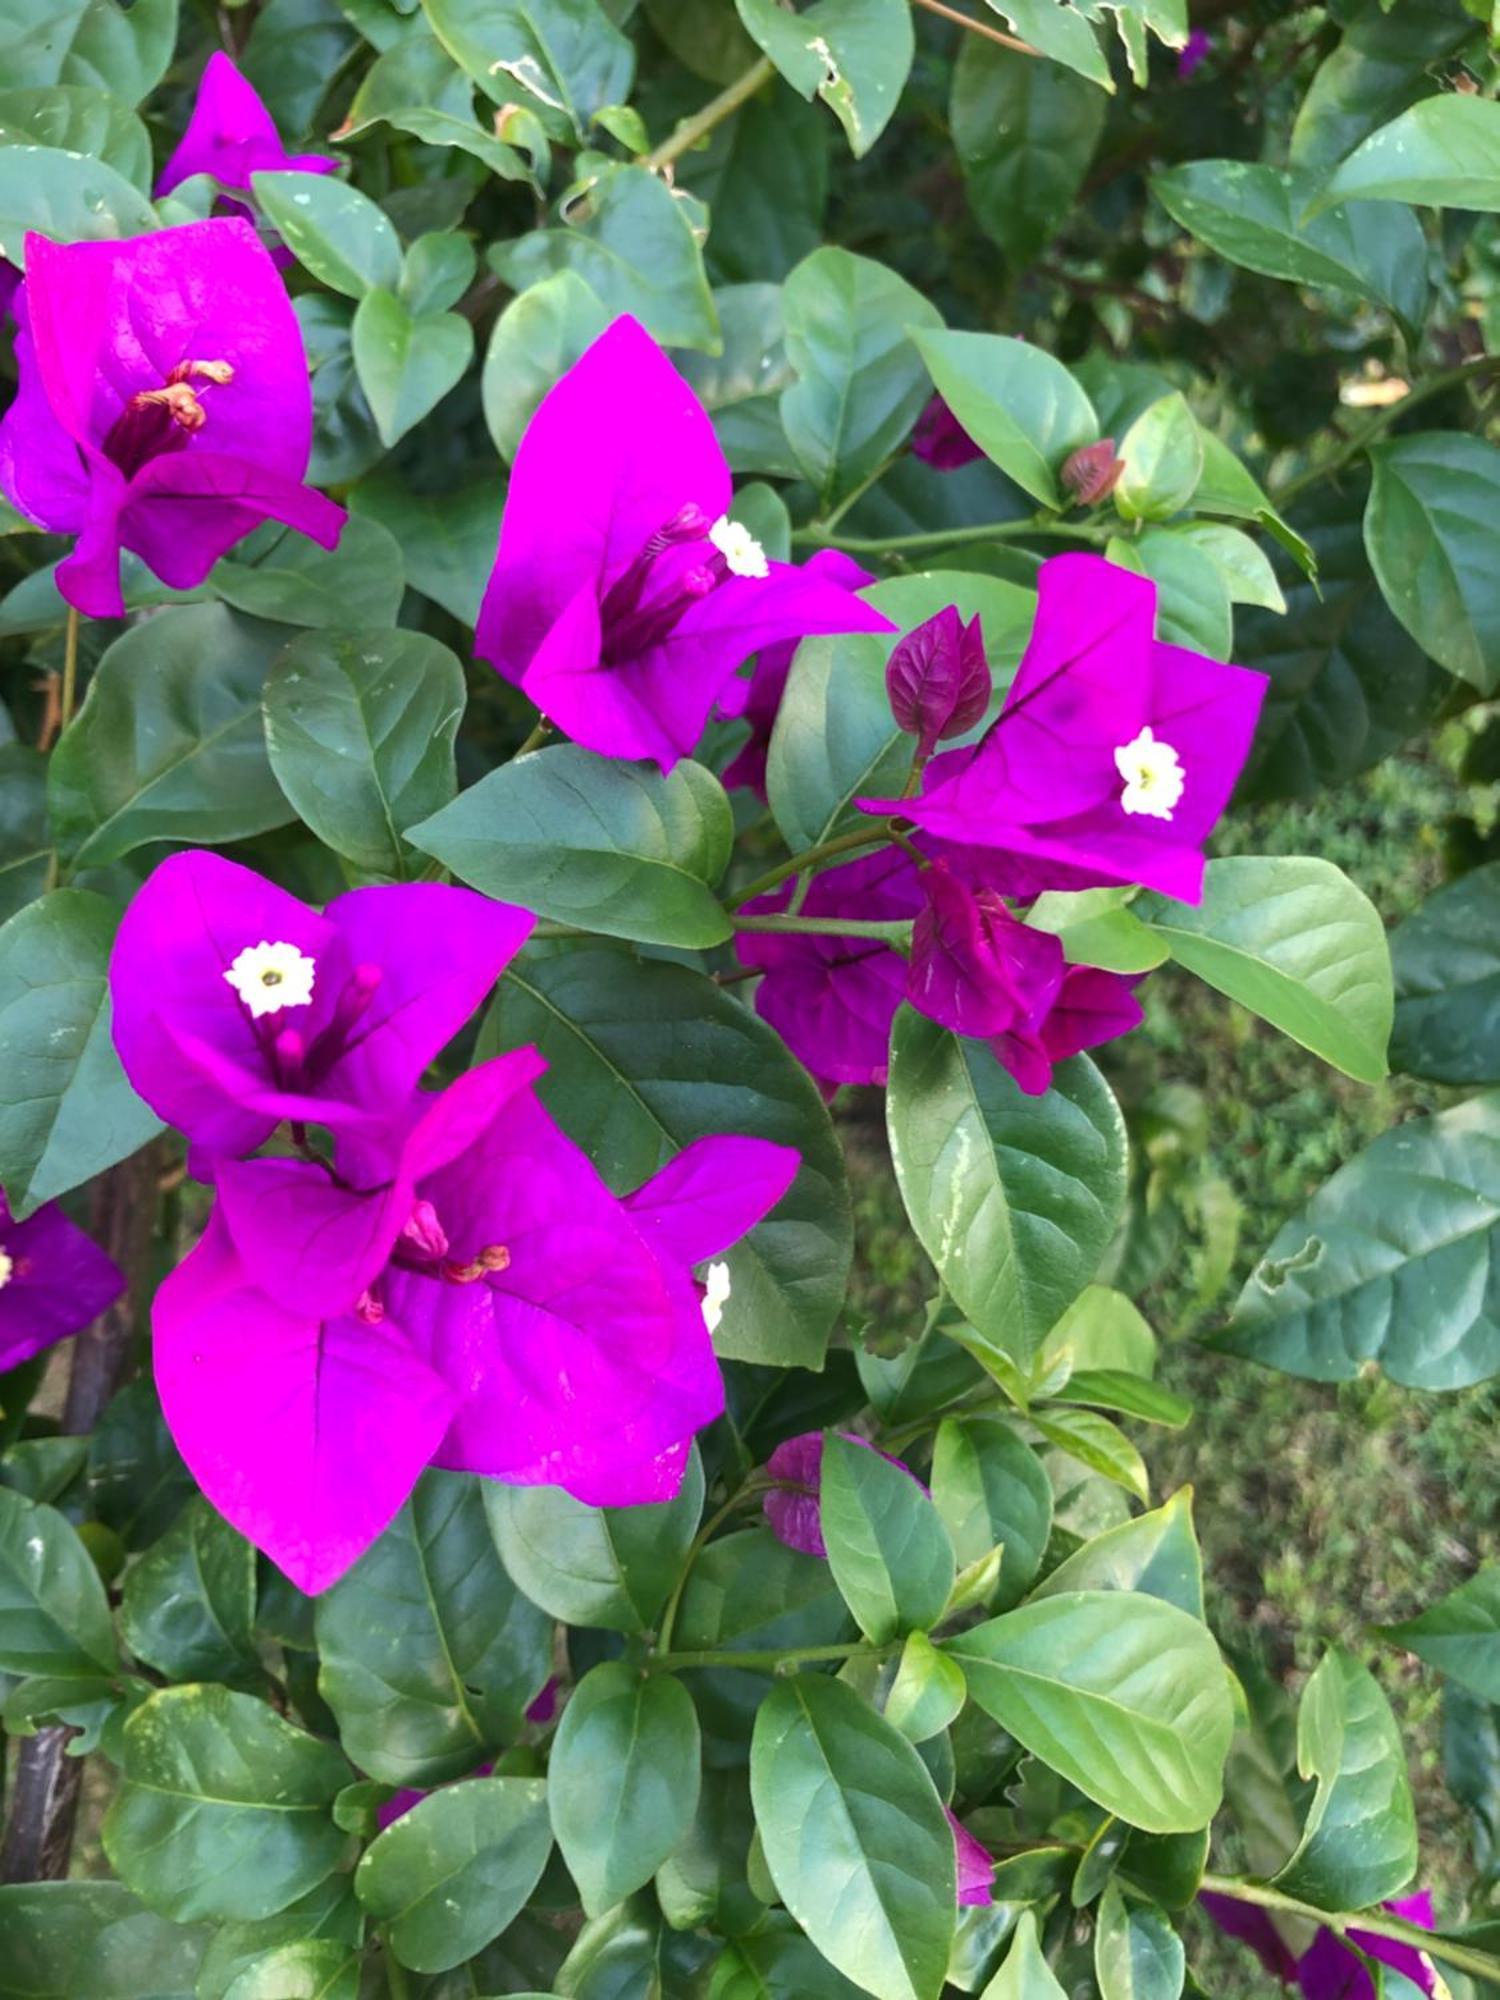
(1446, 961)
(54, 1616)
(854, 1837)
(854, 54)
(1244, 566)
(429, 1652)
(835, 739)
(1393, 1261)
(606, 1566)
(62, 1940)
(25, 845)
(332, 230)
(1227, 487)
(407, 361)
(1102, 1329)
(359, 583)
(1359, 1840)
(623, 1779)
(67, 196)
(1293, 939)
(66, 1109)
(565, 58)
(345, 440)
(1163, 454)
(439, 269)
(312, 1969)
(704, 1880)
(95, 42)
(1347, 684)
(1156, 1554)
(447, 540)
(168, 744)
(80, 120)
(327, 1915)
(1137, 1954)
(777, 1964)
(188, 1605)
(536, 339)
(628, 237)
(703, 35)
(1025, 132)
(594, 841)
(137, 1482)
(1254, 216)
(927, 1693)
(1124, 1695)
(1378, 69)
(1433, 515)
(1025, 1975)
(360, 729)
(453, 1872)
(887, 1546)
(1020, 406)
(990, 1488)
(749, 1592)
(1443, 152)
(1459, 1635)
(764, 176)
(645, 1057)
(742, 388)
(223, 1808)
(1097, 1443)
(1192, 602)
(1117, 1389)
(860, 383)
(1014, 1198)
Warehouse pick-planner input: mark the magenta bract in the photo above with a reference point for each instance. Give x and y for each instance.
(976, 1866)
(622, 598)
(1113, 756)
(163, 407)
(832, 999)
(231, 135)
(54, 1280)
(938, 680)
(940, 440)
(236, 1006)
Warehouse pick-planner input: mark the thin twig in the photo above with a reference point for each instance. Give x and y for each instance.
(728, 101)
(978, 27)
(1374, 1923)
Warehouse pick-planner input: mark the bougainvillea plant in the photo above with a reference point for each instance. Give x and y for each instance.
(614, 615)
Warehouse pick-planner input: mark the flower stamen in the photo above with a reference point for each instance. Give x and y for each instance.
(1153, 775)
(269, 977)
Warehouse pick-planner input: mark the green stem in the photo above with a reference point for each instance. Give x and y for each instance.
(698, 1544)
(845, 843)
(951, 538)
(69, 672)
(852, 499)
(769, 1661)
(395, 1973)
(1376, 1922)
(1367, 434)
(896, 931)
(728, 101)
(540, 732)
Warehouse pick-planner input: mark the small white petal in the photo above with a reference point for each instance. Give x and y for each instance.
(7, 1269)
(738, 547)
(715, 1295)
(268, 977)
(1153, 775)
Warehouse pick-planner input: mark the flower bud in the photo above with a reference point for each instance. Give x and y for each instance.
(1092, 473)
(938, 680)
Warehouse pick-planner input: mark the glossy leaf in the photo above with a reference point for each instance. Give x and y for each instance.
(1163, 454)
(611, 846)
(1392, 1262)
(66, 195)
(748, 1591)
(25, 844)
(1459, 1635)
(1359, 1839)
(223, 1808)
(1296, 942)
(1025, 132)
(1443, 153)
(1446, 961)
(1433, 515)
(1014, 1198)
(54, 1616)
(1097, 1443)
(536, 339)
(429, 1651)
(1020, 406)
(333, 230)
(1122, 1694)
(66, 1109)
(1025, 1975)
(887, 1546)
(645, 1057)
(407, 361)
(311, 1969)
(359, 729)
(1137, 1954)
(453, 1872)
(991, 1489)
(360, 583)
(854, 1837)
(607, 1566)
(447, 540)
(188, 1603)
(168, 744)
(854, 54)
(80, 119)
(927, 1693)
(92, 42)
(623, 1779)
(1156, 1554)
(860, 382)
(61, 1940)
(564, 60)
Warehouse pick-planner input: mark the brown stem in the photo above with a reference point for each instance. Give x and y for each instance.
(38, 1840)
(978, 27)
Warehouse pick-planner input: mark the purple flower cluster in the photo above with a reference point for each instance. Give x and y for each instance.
(1110, 762)
(451, 1282)
(53, 1280)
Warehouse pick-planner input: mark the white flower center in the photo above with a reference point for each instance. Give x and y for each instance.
(7, 1268)
(715, 1296)
(1153, 774)
(738, 547)
(268, 977)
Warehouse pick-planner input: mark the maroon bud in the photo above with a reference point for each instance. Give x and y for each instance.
(938, 680)
(941, 441)
(1092, 473)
